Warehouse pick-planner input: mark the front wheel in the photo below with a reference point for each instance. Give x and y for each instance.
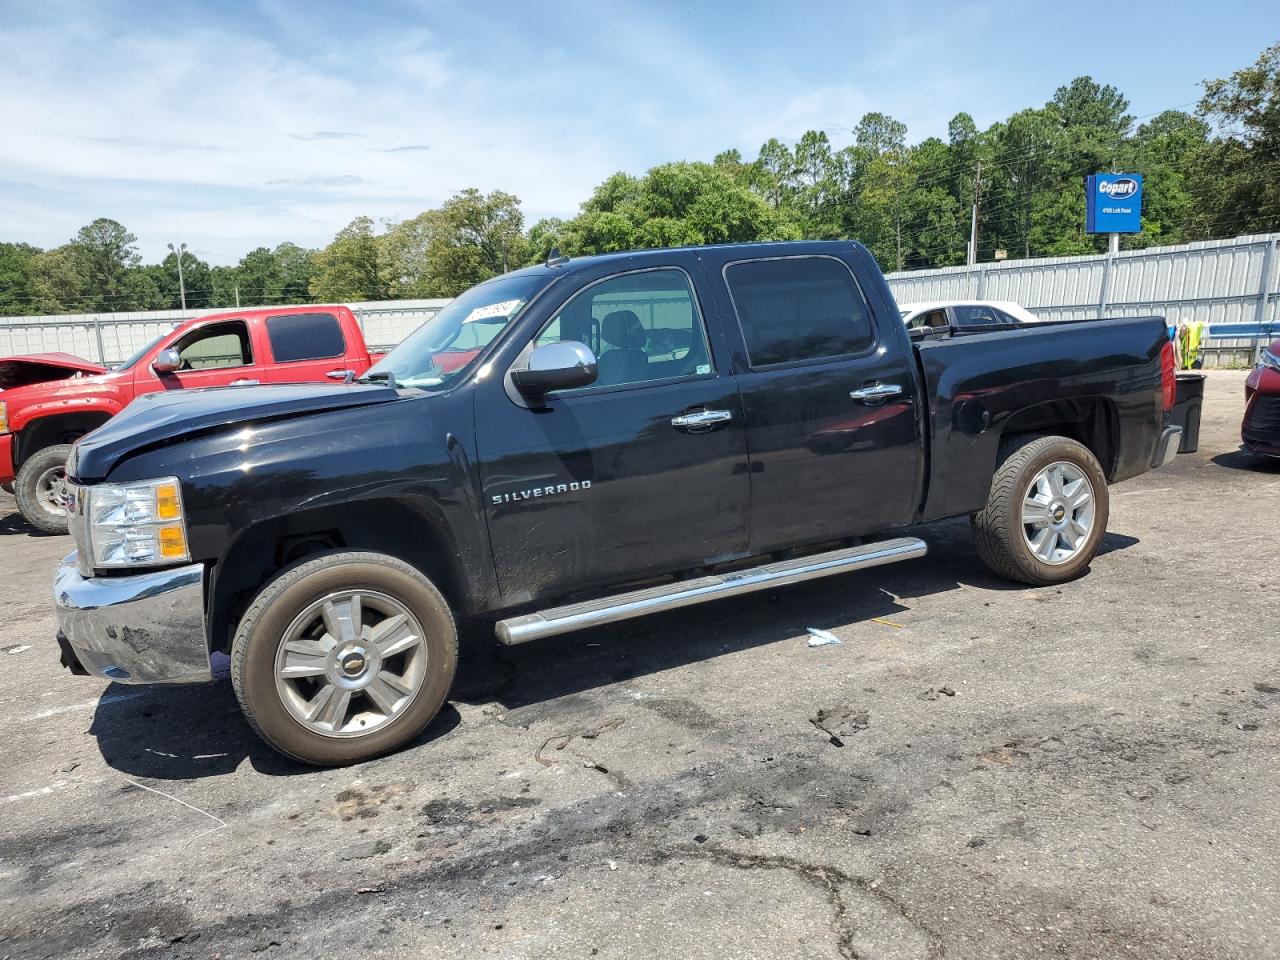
(39, 487)
(344, 657)
(1046, 513)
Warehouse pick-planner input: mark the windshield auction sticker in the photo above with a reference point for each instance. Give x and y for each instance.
(504, 309)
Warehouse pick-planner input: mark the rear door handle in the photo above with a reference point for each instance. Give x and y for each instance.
(346, 376)
(701, 420)
(876, 392)
(244, 383)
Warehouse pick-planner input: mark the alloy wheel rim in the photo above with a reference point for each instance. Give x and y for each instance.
(50, 488)
(350, 663)
(1057, 513)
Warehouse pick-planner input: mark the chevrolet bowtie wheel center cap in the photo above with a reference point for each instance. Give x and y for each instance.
(353, 664)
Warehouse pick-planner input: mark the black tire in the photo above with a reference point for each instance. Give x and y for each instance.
(998, 529)
(30, 488)
(262, 631)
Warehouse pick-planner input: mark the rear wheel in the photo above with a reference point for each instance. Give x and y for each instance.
(1046, 513)
(39, 488)
(345, 657)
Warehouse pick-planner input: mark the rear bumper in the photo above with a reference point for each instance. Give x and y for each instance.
(1167, 447)
(147, 628)
(6, 458)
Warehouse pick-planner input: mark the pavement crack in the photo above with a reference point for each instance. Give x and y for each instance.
(827, 878)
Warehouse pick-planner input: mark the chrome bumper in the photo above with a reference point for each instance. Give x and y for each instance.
(1167, 448)
(147, 628)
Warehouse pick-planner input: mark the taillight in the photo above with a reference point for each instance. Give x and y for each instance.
(1168, 375)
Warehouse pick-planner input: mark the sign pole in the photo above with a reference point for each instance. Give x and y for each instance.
(1113, 247)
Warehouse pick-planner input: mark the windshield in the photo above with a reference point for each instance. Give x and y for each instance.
(141, 353)
(446, 344)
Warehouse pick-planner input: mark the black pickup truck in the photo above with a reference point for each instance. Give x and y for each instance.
(578, 443)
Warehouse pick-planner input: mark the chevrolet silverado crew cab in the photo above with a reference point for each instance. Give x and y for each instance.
(623, 434)
(49, 400)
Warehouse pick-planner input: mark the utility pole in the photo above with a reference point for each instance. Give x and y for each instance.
(178, 251)
(237, 296)
(973, 218)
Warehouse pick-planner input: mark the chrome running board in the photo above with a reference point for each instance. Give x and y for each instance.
(684, 593)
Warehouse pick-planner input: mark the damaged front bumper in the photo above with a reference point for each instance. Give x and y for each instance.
(146, 628)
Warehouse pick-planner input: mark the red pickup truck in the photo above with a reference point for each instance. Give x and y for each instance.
(47, 401)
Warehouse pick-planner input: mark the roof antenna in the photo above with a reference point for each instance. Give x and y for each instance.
(555, 258)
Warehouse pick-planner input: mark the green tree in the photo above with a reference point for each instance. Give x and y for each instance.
(1167, 150)
(349, 267)
(1014, 208)
(16, 295)
(259, 277)
(297, 267)
(1237, 180)
(773, 173)
(675, 204)
(103, 253)
(476, 237)
(56, 283)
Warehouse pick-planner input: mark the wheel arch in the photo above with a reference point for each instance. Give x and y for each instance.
(390, 526)
(55, 428)
(1091, 421)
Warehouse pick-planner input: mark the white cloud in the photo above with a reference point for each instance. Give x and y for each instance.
(284, 121)
(176, 127)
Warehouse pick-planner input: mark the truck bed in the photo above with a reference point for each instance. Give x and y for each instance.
(973, 381)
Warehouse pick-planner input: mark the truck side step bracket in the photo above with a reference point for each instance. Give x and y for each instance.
(684, 593)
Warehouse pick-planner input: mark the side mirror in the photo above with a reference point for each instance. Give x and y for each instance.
(556, 366)
(166, 361)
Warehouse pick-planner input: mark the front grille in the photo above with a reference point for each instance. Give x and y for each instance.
(1263, 424)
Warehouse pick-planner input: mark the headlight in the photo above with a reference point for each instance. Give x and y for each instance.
(137, 524)
(4, 418)
(1268, 360)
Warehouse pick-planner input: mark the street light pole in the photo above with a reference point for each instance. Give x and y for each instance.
(178, 251)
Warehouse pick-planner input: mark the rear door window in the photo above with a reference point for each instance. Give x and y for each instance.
(305, 336)
(796, 309)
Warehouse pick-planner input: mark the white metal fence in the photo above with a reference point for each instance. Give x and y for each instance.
(1231, 284)
(109, 338)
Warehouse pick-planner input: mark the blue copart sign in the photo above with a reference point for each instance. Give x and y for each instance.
(1113, 203)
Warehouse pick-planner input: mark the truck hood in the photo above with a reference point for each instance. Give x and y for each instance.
(42, 368)
(156, 419)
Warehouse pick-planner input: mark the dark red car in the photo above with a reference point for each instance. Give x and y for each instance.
(1261, 428)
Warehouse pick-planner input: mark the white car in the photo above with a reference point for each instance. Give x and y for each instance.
(964, 313)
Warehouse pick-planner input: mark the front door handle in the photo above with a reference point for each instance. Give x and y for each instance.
(701, 420)
(876, 392)
(244, 383)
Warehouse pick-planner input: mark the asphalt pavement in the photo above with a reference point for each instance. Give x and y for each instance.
(977, 770)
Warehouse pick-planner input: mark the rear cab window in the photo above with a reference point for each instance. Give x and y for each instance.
(799, 309)
(305, 336)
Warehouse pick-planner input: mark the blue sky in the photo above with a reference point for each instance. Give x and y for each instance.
(238, 124)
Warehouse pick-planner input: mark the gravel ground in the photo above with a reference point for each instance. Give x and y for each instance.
(1084, 771)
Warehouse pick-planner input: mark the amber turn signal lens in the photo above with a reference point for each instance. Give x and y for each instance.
(167, 504)
(173, 542)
